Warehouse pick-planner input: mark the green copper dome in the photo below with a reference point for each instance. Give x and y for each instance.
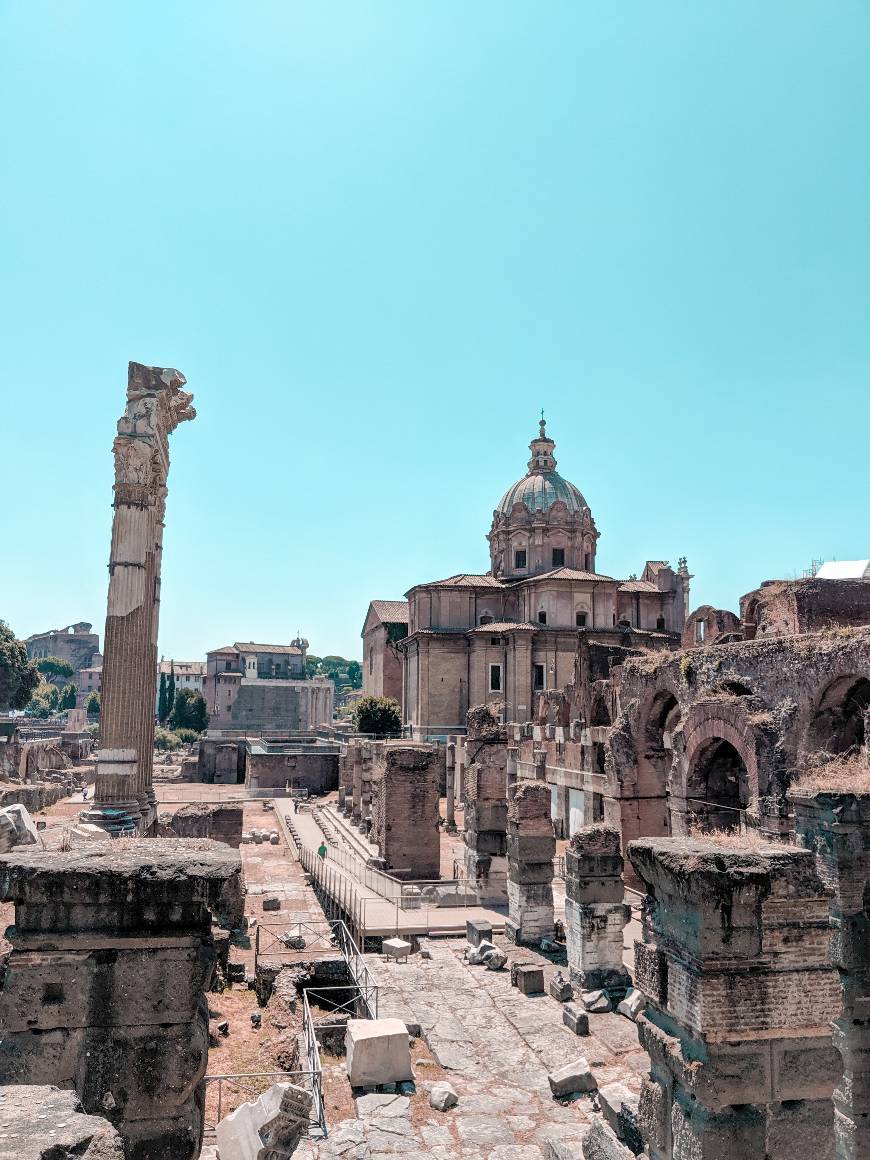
(539, 491)
(543, 485)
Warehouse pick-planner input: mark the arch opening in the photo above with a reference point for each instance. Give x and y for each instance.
(840, 722)
(718, 786)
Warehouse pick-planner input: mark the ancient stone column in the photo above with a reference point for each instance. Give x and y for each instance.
(531, 848)
(123, 794)
(484, 798)
(740, 992)
(450, 793)
(112, 952)
(595, 912)
(404, 808)
(836, 826)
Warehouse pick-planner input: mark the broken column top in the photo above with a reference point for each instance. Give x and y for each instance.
(717, 900)
(484, 725)
(531, 800)
(598, 841)
(135, 884)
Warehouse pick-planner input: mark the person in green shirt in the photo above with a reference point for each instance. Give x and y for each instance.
(321, 850)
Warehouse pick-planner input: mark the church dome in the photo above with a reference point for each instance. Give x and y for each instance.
(539, 491)
(542, 485)
(530, 534)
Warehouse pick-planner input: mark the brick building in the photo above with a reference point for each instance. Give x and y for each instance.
(385, 625)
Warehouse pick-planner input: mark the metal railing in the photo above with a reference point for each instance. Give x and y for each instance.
(225, 1093)
(312, 1056)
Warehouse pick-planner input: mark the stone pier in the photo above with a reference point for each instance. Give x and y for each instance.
(404, 808)
(112, 953)
(836, 826)
(740, 990)
(595, 911)
(531, 848)
(485, 808)
(345, 780)
(123, 796)
(360, 755)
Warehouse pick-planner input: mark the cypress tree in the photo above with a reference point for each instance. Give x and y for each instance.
(170, 689)
(162, 710)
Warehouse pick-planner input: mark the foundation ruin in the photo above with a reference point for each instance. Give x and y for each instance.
(531, 847)
(404, 808)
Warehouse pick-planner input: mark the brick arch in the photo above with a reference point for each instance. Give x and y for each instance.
(836, 721)
(710, 723)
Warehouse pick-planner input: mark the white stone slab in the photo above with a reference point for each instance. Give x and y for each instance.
(378, 1051)
(396, 948)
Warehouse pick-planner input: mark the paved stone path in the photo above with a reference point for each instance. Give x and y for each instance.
(496, 1047)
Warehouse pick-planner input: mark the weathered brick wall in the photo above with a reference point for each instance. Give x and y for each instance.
(740, 994)
(222, 823)
(531, 848)
(316, 772)
(404, 808)
(595, 911)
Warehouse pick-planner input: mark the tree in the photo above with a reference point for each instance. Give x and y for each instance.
(68, 697)
(189, 711)
(163, 701)
(378, 716)
(54, 669)
(18, 676)
(92, 705)
(45, 700)
(170, 688)
(312, 665)
(354, 674)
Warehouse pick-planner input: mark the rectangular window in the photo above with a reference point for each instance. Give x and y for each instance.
(538, 676)
(520, 558)
(542, 617)
(495, 678)
(581, 619)
(558, 557)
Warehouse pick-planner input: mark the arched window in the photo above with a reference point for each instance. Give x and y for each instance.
(581, 619)
(660, 624)
(371, 659)
(542, 616)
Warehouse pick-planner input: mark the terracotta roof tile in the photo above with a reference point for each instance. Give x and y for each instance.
(391, 611)
(638, 586)
(248, 646)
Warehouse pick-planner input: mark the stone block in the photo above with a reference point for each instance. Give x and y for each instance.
(596, 1001)
(574, 1077)
(378, 1051)
(443, 1096)
(632, 1005)
(477, 954)
(601, 1143)
(560, 989)
(619, 1107)
(476, 931)
(529, 980)
(271, 902)
(38, 1123)
(396, 948)
(273, 1124)
(576, 1019)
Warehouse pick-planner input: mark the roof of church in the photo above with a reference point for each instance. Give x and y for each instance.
(638, 586)
(467, 580)
(506, 626)
(391, 611)
(563, 573)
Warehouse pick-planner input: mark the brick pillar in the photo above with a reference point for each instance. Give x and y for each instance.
(595, 911)
(123, 794)
(485, 809)
(836, 826)
(531, 846)
(112, 952)
(740, 992)
(404, 808)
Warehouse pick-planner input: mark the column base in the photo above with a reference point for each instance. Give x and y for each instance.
(118, 819)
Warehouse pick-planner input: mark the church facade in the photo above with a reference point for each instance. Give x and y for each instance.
(510, 634)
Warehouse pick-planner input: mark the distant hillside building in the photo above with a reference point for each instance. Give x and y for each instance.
(75, 644)
(385, 625)
(188, 674)
(264, 687)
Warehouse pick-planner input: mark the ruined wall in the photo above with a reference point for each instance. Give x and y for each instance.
(595, 911)
(316, 772)
(789, 607)
(735, 966)
(404, 808)
(484, 795)
(531, 848)
(104, 988)
(222, 823)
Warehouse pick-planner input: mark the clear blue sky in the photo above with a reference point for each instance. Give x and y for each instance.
(379, 237)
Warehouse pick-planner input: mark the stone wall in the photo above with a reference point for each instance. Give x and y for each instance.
(404, 808)
(104, 988)
(790, 607)
(531, 848)
(595, 911)
(740, 988)
(222, 823)
(316, 772)
(484, 798)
